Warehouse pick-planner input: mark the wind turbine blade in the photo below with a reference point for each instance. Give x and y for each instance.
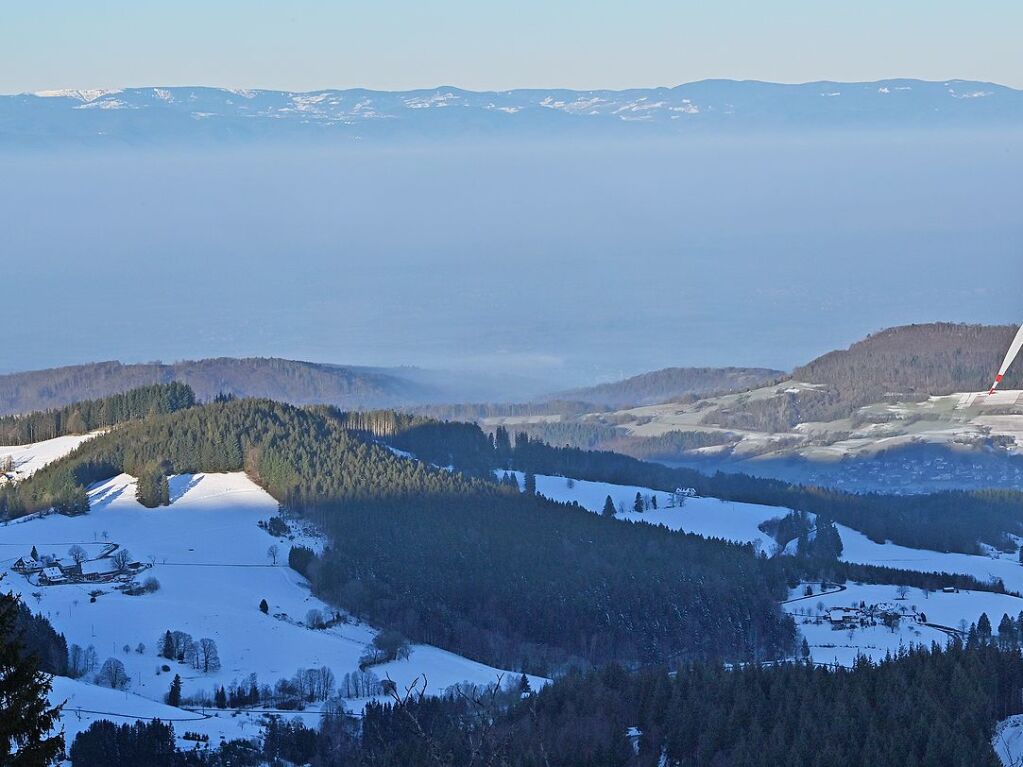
(1014, 347)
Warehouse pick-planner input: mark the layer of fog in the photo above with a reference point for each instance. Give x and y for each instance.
(568, 263)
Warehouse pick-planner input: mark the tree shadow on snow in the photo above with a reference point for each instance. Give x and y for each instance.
(101, 500)
(180, 485)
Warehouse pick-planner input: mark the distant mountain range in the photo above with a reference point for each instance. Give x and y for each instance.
(299, 383)
(198, 114)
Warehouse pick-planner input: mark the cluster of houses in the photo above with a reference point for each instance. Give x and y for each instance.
(871, 615)
(49, 571)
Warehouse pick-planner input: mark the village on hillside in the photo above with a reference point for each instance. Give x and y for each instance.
(111, 564)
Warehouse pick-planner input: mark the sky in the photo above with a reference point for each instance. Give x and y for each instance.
(403, 44)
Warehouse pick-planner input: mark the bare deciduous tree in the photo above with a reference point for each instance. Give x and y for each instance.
(78, 554)
(121, 559)
(206, 658)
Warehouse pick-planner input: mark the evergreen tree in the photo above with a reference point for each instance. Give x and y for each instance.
(502, 443)
(1006, 632)
(530, 483)
(167, 651)
(803, 545)
(984, 628)
(609, 507)
(637, 505)
(174, 695)
(264, 607)
(35, 554)
(220, 698)
(26, 718)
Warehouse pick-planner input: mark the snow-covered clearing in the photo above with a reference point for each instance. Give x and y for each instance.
(829, 644)
(709, 517)
(29, 459)
(859, 548)
(87, 703)
(1008, 741)
(212, 562)
(713, 518)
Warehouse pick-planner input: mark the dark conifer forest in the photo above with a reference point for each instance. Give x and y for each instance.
(932, 707)
(83, 417)
(434, 548)
(448, 557)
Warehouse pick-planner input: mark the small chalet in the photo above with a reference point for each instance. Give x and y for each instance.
(26, 565)
(52, 574)
(840, 616)
(98, 569)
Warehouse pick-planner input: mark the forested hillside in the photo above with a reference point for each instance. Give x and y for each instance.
(83, 417)
(299, 383)
(921, 708)
(671, 383)
(446, 557)
(936, 358)
(904, 364)
(945, 521)
(915, 360)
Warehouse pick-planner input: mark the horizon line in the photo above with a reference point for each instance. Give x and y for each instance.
(57, 92)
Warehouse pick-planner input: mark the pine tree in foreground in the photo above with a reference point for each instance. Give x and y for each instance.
(27, 720)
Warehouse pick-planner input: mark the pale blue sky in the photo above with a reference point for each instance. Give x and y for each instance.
(398, 44)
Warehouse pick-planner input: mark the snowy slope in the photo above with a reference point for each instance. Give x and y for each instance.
(86, 703)
(1008, 741)
(709, 517)
(212, 563)
(714, 518)
(859, 548)
(829, 645)
(29, 459)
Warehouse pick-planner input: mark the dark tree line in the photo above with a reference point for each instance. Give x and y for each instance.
(455, 559)
(945, 521)
(83, 417)
(932, 707)
(105, 744)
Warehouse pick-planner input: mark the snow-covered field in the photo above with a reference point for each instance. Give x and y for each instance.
(1008, 741)
(29, 459)
(714, 518)
(212, 562)
(85, 703)
(858, 548)
(831, 645)
(709, 517)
